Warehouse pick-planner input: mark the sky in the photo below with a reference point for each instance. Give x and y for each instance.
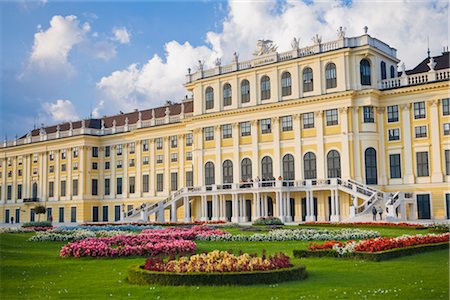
(63, 61)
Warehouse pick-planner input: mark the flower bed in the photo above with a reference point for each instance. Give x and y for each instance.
(216, 267)
(296, 235)
(378, 248)
(267, 221)
(154, 223)
(38, 224)
(73, 235)
(16, 230)
(364, 224)
(125, 227)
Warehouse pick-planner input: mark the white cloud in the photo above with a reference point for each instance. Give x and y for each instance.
(61, 110)
(103, 50)
(403, 24)
(121, 35)
(52, 47)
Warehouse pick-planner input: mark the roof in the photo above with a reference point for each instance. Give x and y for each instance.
(442, 62)
(133, 117)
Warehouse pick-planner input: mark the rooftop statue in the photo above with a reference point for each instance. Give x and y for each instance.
(295, 43)
(264, 47)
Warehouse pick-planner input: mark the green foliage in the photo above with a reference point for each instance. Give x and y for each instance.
(37, 224)
(375, 256)
(140, 276)
(268, 221)
(40, 209)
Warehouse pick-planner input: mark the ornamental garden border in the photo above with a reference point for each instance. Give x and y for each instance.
(137, 275)
(373, 256)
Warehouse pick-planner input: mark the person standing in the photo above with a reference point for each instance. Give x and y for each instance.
(380, 212)
(374, 213)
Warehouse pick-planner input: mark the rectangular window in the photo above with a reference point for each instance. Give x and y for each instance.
(145, 160)
(420, 131)
(446, 128)
(107, 165)
(368, 114)
(447, 162)
(131, 162)
(35, 157)
(107, 186)
(419, 110)
(226, 131)
(63, 154)
(159, 159)
(17, 215)
(75, 152)
(63, 188)
(145, 186)
(51, 192)
(174, 157)
(145, 145)
(395, 166)
(392, 113)
(286, 123)
(173, 141)
(94, 187)
(75, 166)
(94, 166)
(266, 126)
(51, 156)
(188, 155)
(174, 181)
(75, 187)
(107, 151)
(19, 191)
(19, 172)
(116, 213)
(189, 178)
(32, 215)
(131, 148)
(394, 134)
(94, 151)
(308, 120)
(63, 167)
(209, 133)
(73, 214)
(51, 169)
(119, 164)
(331, 117)
(119, 149)
(446, 106)
(131, 183)
(49, 213)
(422, 164)
(9, 192)
(159, 182)
(35, 171)
(189, 139)
(119, 185)
(159, 143)
(61, 215)
(105, 217)
(245, 128)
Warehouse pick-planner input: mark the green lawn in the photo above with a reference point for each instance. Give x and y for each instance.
(31, 270)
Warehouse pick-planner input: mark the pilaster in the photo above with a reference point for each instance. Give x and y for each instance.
(407, 145)
(436, 166)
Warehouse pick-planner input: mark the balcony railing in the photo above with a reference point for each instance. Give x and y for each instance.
(31, 200)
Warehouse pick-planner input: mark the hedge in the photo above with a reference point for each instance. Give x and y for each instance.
(137, 275)
(38, 224)
(373, 256)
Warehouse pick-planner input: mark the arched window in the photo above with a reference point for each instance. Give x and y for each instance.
(370, 156)
(364, 72)
(392, 72)
(209, 97)
(209, 173)
(245, 91)
(227, 94)
(246, 169)
(227, 171)
(286, 84)
(266, 168)
(265, 87)
(310, 167)
(288, 167)
(308, 80)
(35, 190)
(383, 70)
(330, 76)
(334, 164)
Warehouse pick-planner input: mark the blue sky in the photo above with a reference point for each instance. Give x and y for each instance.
(66, 60)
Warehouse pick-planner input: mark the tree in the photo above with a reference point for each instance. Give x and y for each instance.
(39, 210)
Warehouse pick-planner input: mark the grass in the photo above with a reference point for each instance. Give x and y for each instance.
(31, 270)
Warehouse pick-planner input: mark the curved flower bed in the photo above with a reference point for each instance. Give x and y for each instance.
(365, 224)
(73, 235)
(296, 235)
(216, 267)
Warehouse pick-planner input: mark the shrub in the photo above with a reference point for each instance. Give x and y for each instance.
(365, 224)
(267, 221)
(37, 224)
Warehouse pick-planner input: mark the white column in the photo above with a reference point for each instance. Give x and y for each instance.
(356, 149)
(218, 169)
(181, 155)
(321, 174)
(199, 156)
(236, 161)
(112, 167)
(407, 149)
(241, 208)
(57, 180)
(41, 175)
(82, 171)
(14, 183)
(266, 205)
(138, 164)
(151, 153)
(215, 207)
(69, 175)
(345, 155)
(45, 176)
(235, 208)
(381, 150)
(255, 159)
(298, 156)
(436, 174)
(276, 147)
(125, 188)
(186, 209)
(279, 205)
(173, 212)
(166, 166)
(204, 216)
(4, 175)
(288, 215)
(24, 177)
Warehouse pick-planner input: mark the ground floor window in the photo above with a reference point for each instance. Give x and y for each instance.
(32, 215)
(61, 215)
(447, 205)
(17, 215)
(73, 214)
(116, 212)
(423, 206)
(49, 213)
(7, 216)
(95, 214)
(105, 214)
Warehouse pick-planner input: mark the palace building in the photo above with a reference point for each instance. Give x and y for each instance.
(325, 132)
